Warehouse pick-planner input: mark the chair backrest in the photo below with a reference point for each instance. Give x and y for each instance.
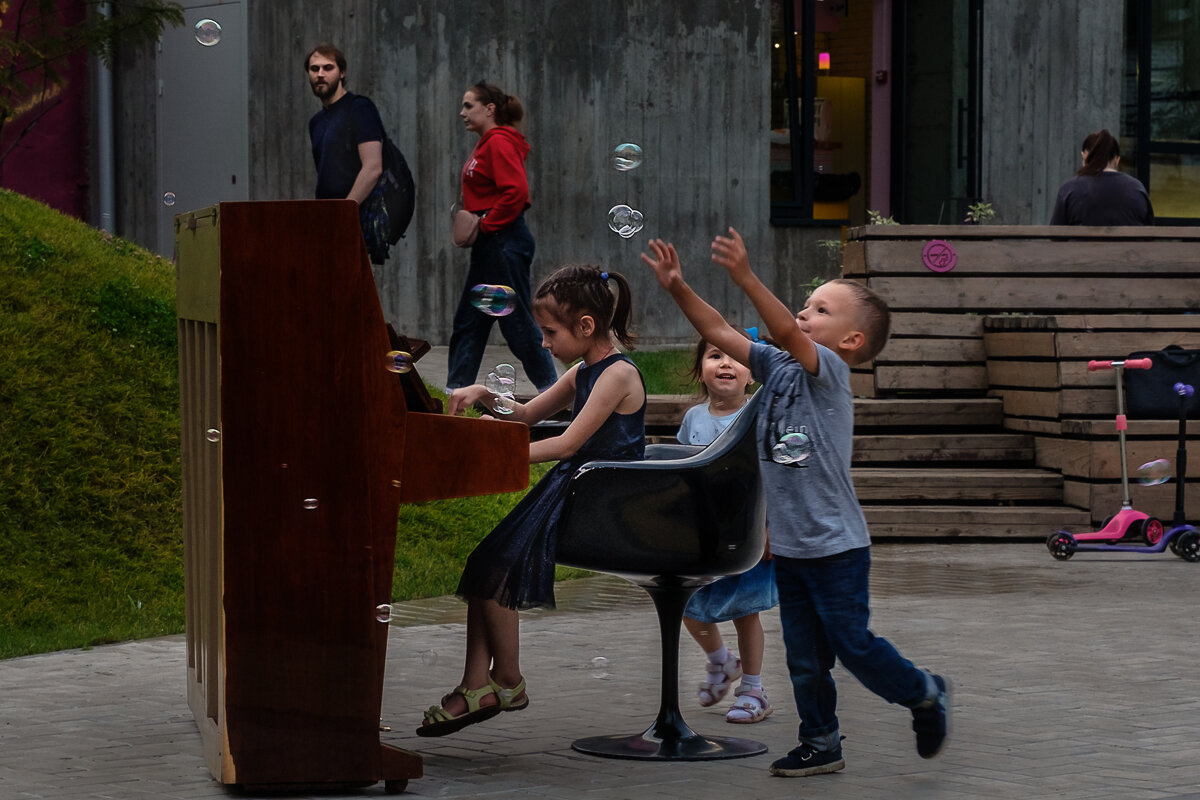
(684, 511)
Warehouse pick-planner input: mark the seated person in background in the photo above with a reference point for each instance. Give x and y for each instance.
(1099, 194)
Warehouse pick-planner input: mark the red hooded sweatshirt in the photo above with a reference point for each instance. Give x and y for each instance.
(493, 179)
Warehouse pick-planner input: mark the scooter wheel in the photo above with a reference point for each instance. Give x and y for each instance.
(1151, 531)
(1061, 545)
(1189, 545)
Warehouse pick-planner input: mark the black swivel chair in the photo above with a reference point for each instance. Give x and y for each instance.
(672, 523)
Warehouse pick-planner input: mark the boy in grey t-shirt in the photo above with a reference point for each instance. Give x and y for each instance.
(818, 533)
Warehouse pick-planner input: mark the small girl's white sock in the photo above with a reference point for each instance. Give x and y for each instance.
(752, 681)
(719, 656)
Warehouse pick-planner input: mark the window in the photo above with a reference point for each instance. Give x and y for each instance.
(822, 76)
(1160, 120)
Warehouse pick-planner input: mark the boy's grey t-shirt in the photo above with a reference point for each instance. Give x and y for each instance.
(807, 421)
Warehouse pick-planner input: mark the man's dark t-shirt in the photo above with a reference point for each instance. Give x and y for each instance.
(336, 133)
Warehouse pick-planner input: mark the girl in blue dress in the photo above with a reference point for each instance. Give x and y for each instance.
(581, 310)
(740, 598)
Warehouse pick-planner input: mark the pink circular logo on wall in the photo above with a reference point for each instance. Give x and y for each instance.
(939, 256)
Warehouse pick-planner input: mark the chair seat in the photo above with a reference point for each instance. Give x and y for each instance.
(688, 512)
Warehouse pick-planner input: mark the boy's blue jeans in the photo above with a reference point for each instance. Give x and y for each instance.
(824, 608)
(502, 258)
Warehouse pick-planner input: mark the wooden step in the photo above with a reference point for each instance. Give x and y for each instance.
(943, 447)
(928, 412)
(971, 485)
(1032, 523)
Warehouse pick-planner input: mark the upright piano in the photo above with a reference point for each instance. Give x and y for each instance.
(298, 446)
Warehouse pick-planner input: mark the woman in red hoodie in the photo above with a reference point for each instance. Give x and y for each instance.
(494, 185)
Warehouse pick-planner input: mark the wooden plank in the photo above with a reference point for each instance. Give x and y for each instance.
(995, 486)
(1019, 344)
(1145, 428)
(935, 447)
(920, 323)
(1100, 459)
(955, 233)
(930, 378)
(1029, 403)
(862, 384)
(1118, 344)
(1026, 374)
(1027, 522)
(1090, 322)
(927, 412)
(927, 351)
(1028, 425)
(1031, 258)
(990, 295)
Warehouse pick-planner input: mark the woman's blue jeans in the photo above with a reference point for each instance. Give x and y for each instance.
(824, 608)
(502, 258)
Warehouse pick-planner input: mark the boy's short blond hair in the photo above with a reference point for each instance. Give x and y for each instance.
(874, 320)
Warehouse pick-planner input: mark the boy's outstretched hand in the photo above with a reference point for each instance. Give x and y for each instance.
(664, 262)
(730, 252)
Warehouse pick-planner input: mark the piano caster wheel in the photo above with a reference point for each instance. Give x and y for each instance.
(395, 786)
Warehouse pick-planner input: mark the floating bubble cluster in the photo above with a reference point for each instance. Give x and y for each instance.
(495, 301)
(502, 382)
(626, 156)
(625, 221)
(399, 361)
(1152, 473)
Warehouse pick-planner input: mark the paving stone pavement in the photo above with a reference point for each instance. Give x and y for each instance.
(1071, 679)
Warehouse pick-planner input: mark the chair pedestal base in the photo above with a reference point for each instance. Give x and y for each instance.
(669, 738)
(648, 747)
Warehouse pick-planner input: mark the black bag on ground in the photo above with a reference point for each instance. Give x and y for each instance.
(1150, 393)
(388, 210)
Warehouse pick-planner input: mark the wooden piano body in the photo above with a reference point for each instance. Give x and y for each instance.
(298, 449)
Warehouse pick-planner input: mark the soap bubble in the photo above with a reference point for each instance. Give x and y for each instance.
(383, 613)
(501, 382)
(599, 667)
(626, 156)
(208, 32)
(399, 361)
(1152, 473)
(503, 404)
(624, 220)
(310, 503)
(429, 658)
(168, 198)
(790, 448)
(213, 435)
(495, 301)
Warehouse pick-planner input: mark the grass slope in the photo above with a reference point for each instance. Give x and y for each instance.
(90, 526)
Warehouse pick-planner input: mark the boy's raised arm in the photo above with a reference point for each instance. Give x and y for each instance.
(704, 318)
(730, 253)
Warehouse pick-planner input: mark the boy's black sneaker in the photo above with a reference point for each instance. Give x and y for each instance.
(931, 722)
(806, 760)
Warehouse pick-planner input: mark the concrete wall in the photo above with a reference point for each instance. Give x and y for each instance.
(1052, 74)
(689, 82)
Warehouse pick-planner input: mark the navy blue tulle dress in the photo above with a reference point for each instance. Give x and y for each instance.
(514, 564)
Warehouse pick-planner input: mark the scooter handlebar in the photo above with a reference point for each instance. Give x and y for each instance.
(1133, 363)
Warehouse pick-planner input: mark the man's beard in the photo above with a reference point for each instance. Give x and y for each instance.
(326, 90)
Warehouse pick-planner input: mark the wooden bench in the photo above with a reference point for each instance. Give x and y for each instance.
(937, 317)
